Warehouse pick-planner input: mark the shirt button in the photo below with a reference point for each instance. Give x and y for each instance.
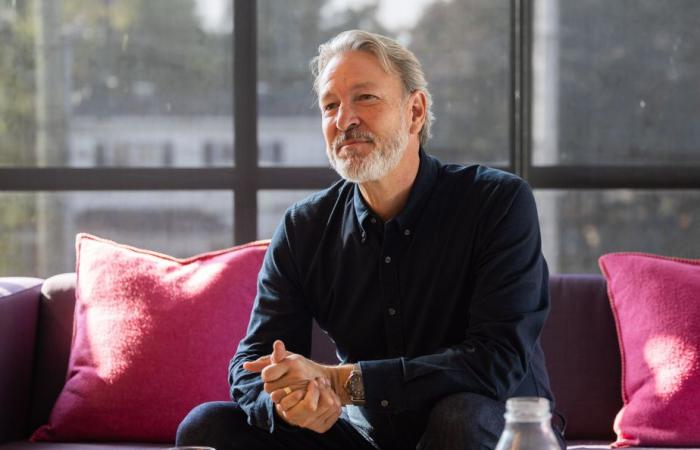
(384, 403)
(387, 259)
(364, 237)
(407, 232)
(392, 312)
(373, 220)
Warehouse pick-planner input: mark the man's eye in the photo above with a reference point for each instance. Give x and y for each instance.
(366, 97)
(329, 106)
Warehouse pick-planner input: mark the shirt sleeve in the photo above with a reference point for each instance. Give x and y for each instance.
(278, 313)
(509, 305)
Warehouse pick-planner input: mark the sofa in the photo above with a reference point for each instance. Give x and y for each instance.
(36, 325)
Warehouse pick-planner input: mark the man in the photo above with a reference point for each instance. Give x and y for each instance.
(429, 278)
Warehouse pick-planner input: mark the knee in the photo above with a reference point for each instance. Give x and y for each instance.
(205, 424)
(468, 408)
(471, 420)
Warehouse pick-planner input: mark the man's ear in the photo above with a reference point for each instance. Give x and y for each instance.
(419, 105)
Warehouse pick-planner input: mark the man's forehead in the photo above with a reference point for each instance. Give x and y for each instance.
(353, 70)
(326, 88)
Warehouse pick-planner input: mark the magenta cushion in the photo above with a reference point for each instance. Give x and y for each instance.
(153, 337)
(656, 304)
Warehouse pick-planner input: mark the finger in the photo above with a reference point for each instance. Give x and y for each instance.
(284, 382)
(257, 365)
(333, 399)
(312, 395)
(274, 372)
(328, 417)
(326, 396)
(301, 413)
(279, 393)
(285, 416)
(278, 351)
(291, 400)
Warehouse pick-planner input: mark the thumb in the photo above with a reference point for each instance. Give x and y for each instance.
(257, 365)
(313, 391)
(278, 352)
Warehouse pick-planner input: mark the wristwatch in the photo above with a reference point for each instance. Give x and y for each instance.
(354, 386)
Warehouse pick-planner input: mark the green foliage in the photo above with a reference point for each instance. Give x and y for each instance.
(120, 48)
(464, 49)
(17, 118)
(17, 223)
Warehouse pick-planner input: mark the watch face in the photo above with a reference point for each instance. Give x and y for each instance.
(357, 392)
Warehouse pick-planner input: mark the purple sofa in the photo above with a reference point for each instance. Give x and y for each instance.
(36, 315)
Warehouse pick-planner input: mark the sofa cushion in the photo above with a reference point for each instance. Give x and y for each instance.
(656, 302)
(153, 338)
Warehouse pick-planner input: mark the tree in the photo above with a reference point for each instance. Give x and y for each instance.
(17, 116)
(146, 57)
(464, 49)
(17, 122)
(124, 57)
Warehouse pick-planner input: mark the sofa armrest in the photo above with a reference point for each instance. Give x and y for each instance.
(19, 303)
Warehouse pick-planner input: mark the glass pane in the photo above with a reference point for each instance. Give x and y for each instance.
(463, 46)
(271, 208)
(616, 82)
(580, 226)
(38, 230)
(129, 83)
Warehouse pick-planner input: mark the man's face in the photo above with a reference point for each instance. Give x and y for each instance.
(365, 116)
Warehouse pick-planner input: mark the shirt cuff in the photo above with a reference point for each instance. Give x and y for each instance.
(384, 384)
(261, 412)
(266, 416)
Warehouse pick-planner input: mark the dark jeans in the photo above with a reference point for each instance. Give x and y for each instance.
(460, 421)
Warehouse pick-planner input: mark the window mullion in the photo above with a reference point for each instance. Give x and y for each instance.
(245, 120)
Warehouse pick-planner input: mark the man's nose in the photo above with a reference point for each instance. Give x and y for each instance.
(347, 118)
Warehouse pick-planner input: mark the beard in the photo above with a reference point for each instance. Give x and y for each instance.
(357, 167)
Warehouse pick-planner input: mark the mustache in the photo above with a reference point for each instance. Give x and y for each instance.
(351, 135)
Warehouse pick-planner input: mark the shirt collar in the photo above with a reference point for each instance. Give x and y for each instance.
(422, 185)
(362, 211)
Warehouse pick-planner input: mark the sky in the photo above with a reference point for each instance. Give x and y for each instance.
(212, 14)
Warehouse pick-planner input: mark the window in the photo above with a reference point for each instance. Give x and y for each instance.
(119, 120)
(115, 83)
(616, 83)
(615, 102)
(39, 228)
(464, 48)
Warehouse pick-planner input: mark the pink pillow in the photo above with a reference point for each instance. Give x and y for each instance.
(153, 338)
(656, 304)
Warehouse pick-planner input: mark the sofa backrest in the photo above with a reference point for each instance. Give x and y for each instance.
(583, 358)
(579, 341)
(19, 304)
(53, 341)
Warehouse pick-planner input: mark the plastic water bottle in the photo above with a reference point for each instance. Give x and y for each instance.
(528, 425)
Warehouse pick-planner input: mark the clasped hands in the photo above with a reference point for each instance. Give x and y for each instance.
(306, 394)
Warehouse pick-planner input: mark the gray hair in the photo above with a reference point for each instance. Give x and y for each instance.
(394, 58)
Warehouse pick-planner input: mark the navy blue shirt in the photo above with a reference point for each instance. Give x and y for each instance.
(449, 296)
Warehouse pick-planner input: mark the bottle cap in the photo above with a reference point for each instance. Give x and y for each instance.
(527, 409)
